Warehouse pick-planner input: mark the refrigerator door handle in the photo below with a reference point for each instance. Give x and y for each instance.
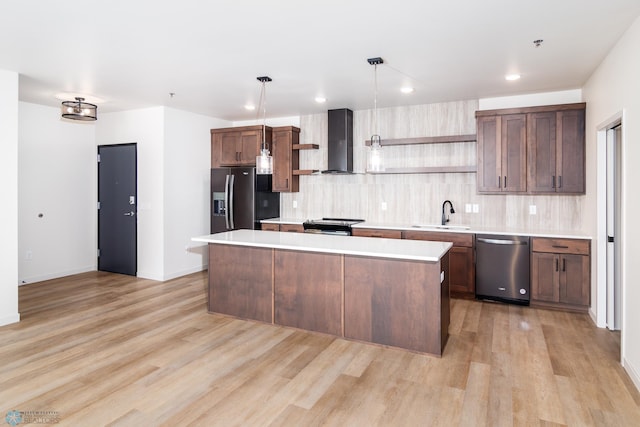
(226, 201)
(231, 191)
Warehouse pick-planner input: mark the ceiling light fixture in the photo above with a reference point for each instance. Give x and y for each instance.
(250, 107)
(264, 162)
(406, 89)
(374, 159)
(512, 77)
(320, 99)
(79, 110)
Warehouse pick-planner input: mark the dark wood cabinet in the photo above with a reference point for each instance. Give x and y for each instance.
(394, 302)
(285, 158)
(377, 232)
(560, 275)
(462, 271)
(241, 289)
(290, 228)
(237, 146)
(555, 152)
(308, 291)
(502, 153)
(532, 150)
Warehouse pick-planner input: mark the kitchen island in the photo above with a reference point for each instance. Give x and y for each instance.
(384, 291)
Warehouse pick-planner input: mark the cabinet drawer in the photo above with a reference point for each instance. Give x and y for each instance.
(377, 232)
(292, 228)
(458, 239)
(560, 246)
(270, 227)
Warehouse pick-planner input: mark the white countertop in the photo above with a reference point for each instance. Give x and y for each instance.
(415, 250)
(504, 231)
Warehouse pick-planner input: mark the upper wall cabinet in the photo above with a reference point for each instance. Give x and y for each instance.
(285, 158)
(556, 152)
(237, 146)
(535, 150)
(502, 153)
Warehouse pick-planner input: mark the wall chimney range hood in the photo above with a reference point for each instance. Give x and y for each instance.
(340, 141)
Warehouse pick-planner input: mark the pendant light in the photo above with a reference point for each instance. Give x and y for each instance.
(375, 158)
(264, 162)
(79, 110)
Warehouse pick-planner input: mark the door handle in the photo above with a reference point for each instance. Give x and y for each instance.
(132, 213)
(226, 202)
(230, 207)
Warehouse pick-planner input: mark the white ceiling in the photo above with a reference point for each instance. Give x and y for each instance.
(133, 53)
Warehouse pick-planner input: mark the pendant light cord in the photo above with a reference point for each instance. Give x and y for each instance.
(375, 100)
(263, 103)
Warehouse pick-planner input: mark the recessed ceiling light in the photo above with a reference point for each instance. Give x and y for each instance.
(321, 99)
(250, 107)
(406, 89)
(512, 77)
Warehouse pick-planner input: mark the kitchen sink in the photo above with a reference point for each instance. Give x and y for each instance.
(442, 227)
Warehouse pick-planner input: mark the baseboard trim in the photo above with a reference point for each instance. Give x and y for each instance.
(8, 320)
(185, 272)
(42, 278)
(633, 373)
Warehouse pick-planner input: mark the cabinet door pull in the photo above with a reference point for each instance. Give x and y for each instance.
(556, 264)
(559, 181)
(560, 247)
(499, 181)
(505, 181)
(564, 264)
(553, 181)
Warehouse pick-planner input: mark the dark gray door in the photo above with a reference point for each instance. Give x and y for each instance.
(117, 199)
(242, 193)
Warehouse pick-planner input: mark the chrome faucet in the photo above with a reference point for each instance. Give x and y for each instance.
(445, 218)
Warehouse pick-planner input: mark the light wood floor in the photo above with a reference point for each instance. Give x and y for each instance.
(104, 349)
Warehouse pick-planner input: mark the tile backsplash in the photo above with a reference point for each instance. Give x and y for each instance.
(416, 198)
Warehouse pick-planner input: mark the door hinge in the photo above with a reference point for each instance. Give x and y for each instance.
(98, 158)
(98, 205)
(98, 253)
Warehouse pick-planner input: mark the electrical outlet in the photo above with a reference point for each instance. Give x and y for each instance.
(295, 204)
(533, 210)
(467, 208)
(384, 206)
(476, 208)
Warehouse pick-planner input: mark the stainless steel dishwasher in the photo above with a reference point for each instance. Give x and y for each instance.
(502, 268)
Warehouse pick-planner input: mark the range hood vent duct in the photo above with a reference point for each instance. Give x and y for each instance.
(340, 142)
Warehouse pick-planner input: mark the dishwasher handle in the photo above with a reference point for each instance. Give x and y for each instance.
(502, 241)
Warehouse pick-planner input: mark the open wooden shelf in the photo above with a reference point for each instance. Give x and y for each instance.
(426, 140)
(305, 146)
(305, 171)
(431, 169)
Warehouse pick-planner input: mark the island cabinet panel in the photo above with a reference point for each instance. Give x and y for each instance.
(241, 289)
(395, 303)
(308, 291)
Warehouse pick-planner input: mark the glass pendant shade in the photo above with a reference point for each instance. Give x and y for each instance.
(375, 159)
(264, 163)
(79, 110)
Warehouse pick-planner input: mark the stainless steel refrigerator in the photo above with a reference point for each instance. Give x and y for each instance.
(240, 198)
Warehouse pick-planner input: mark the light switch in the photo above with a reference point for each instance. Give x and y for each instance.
(467, 208)
(476, 208)
(384, 206)
(533, 210)
(295, 204)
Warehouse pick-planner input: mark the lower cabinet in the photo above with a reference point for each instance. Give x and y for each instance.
(377, 232)
(462, 271)
(560, 275)
(291, 228)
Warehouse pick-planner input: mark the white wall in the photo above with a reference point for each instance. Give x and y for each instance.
(57, 179)
(613, 88)
(187, 164)
(9, 196)
(146, 128)
(531, 100)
